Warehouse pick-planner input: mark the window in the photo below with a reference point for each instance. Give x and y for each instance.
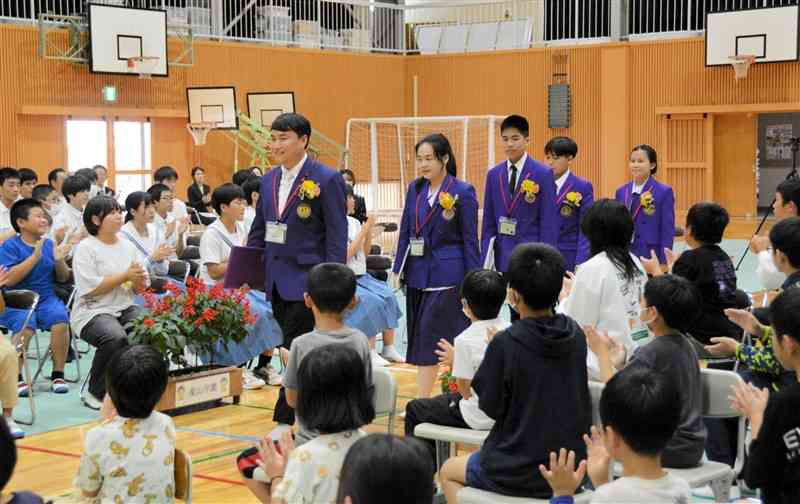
(87, 143)
(132, 164)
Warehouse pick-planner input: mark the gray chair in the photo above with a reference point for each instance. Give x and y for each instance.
(179, 270)
(24, 300)
(385, 397)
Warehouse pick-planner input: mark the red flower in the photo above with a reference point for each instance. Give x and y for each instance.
(217, 291)
(453, 386)
(149, 322)
(173, 289)
(209, 315)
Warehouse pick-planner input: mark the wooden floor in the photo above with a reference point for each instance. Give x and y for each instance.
(48, 462)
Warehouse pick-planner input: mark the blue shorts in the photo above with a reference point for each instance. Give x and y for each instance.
(475, 477)
(49, 312)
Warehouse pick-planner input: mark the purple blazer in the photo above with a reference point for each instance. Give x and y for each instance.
(536, 222)
(451, 245)
(571, 242)
(322, 237)
(654, 231)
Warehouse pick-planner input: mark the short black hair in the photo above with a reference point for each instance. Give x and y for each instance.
(406, 473)
(517, 122)
(134, 201)
(485, 293)
(165, 173)
(136, 378)
(790, 191)
(349, 173)
(225, 194)
(100, 207)
(8, 454)
(95, 167)
(8, 173)
(331, 286)
(157, 190)
(561, 146)
(74, 184)
(87, 173)
(785, 236)
(242, 176)
(253, 185)
(21, 209)
(333, 394)
(785, 314)
(53, 175)
(27, 175)
(676, 299)
(652, 156)
(197, 169)
(708, 222)
(291, 121)
(643, 406)
(536, 271)
(42, 191)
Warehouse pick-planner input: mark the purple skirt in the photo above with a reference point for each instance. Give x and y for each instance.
(431, 316)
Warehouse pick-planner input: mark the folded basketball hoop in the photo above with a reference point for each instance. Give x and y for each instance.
(199, 131)
(143, 65)
(741, 64)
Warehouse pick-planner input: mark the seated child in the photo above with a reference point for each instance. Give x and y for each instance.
(170, 227)
(151, 246)
(640, 411)
(669, 304)
(773, 464)
(483, 293)
(406, 473)
(8, 460)
(539, 364)
(34, 263)
(130, 457)
(9, 371)
(334, 400)
(167, 176)
(27, 181)
(68, 224)
(48, 197)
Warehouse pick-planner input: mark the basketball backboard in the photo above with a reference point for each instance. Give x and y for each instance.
(263, 108)
(120, 33)
(769, 34)
(213, 105)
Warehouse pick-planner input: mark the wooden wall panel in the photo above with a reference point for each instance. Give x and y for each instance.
(735, 147)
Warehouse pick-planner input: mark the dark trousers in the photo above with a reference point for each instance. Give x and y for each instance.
(439, 410)
(294, 320)
(109, 335)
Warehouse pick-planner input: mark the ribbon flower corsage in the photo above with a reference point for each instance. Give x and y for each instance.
(308, 190)
(530, 189)
(448, 203)
(572, 201)
(648, 203)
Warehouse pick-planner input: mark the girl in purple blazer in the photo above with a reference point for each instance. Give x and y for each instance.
(437, 245)
(651, 203)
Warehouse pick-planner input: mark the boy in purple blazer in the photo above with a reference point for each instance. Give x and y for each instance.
(574, 195)
(651, 203)
(519, 200)
(301, 221)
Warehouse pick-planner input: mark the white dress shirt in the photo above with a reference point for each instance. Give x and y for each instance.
(287, 181)
(520, 164)
(560, 181)
(638, 189)
(5, 218)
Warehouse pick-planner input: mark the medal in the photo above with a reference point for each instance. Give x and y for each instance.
(530, 197)
(448, 214)
(303, 211)
(566, 210)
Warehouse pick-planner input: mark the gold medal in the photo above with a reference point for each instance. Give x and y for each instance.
(448, 214)
(566, 210)
(530, 197)
(304, 211)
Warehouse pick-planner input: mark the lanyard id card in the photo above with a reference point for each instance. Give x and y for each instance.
(276, 232)
(508, 226)
(417, 246)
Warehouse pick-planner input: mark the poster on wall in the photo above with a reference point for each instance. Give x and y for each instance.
(777, 142)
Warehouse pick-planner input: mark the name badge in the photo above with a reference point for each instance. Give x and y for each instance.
(417, 247)
(276, 232)
(508, 226)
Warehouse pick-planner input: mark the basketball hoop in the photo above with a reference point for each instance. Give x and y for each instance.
(143, 65)
(741, 64)
(199, 131)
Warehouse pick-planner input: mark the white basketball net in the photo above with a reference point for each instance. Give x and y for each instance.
(741, 64)
(144, 65)
(199, 131)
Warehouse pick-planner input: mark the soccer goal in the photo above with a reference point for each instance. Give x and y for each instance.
(382, 156)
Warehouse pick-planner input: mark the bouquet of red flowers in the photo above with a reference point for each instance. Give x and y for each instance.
(448, 383)
(200, 318)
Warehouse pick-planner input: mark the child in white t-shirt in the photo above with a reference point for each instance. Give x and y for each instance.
(640, 412)
(483, 293)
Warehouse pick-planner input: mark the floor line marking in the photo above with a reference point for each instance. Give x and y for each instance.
(238, 437)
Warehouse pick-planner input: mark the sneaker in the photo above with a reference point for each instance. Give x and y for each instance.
(269, 374)
(16, 431)
(90, 401)
(391, 354)
(251, 382)
(59, 386)
(22, 389)
(377, 360)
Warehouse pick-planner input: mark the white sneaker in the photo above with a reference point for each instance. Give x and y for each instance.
(90, 401)
(377, 360)
(251, 382)
(391, 354)
(16, 431)
(269, 374)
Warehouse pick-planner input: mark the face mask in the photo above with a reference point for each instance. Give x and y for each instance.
(646, 322)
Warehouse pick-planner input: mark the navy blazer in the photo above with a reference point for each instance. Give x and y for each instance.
(572, 244)
(451, 246)
(322, 237)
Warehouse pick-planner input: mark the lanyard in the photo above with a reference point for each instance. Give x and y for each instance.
(629, 199)
(279, 215)
(510, 208)
(563, 194)
(430, 212)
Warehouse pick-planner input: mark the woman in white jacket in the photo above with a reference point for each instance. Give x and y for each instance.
(606, 289)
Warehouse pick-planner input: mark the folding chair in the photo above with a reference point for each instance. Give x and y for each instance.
(179, 270)
(385, 395)
(183, 476)
(469, 495)
(23, 300)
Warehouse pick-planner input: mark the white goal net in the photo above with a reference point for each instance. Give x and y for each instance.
(382, 157)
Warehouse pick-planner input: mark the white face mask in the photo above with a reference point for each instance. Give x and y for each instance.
(646, 322)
